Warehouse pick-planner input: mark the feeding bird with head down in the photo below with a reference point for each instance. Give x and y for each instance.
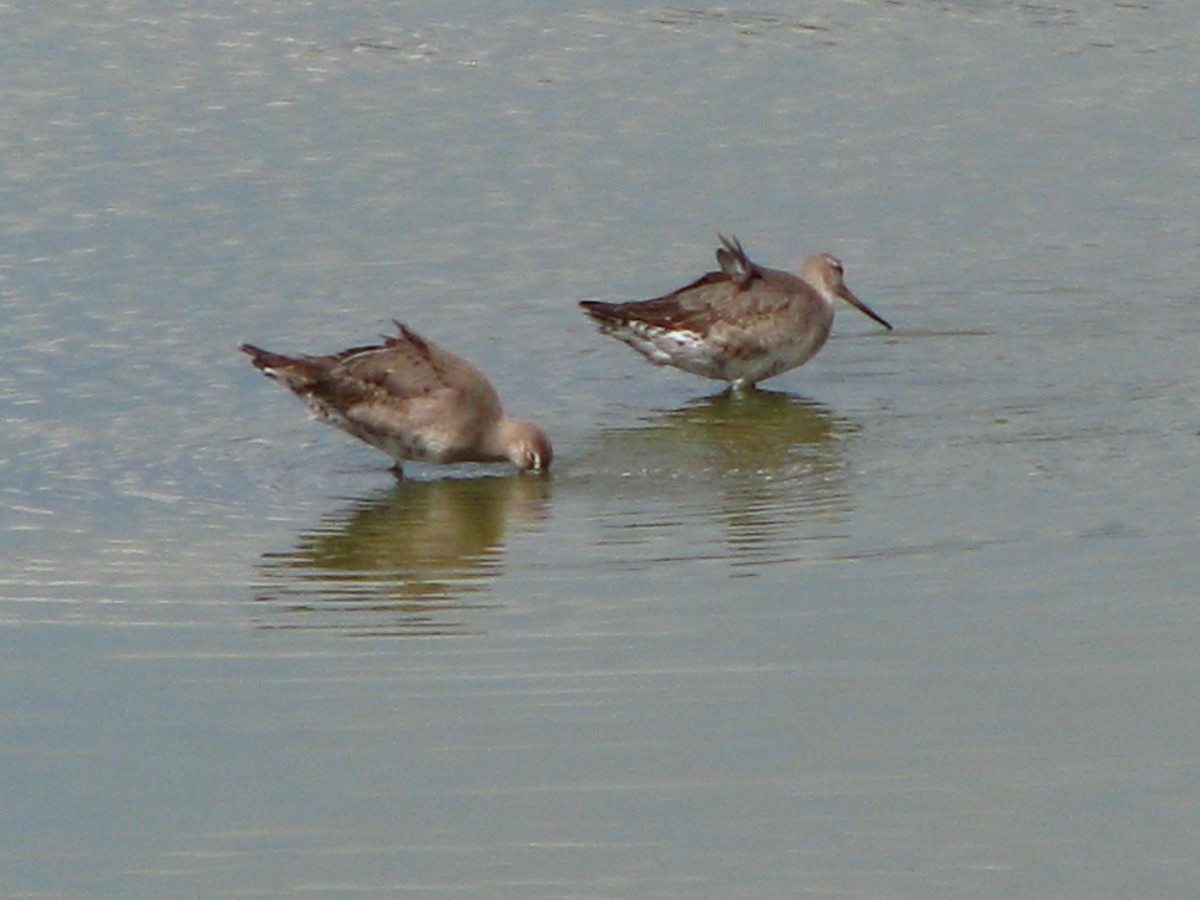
(411, 399)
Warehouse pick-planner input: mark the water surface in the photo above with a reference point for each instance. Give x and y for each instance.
(917, 621)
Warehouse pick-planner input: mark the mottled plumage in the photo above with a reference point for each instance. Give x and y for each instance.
(411, 399)
(742, 324)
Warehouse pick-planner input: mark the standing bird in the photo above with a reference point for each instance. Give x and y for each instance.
(742, 324)
(411, 399)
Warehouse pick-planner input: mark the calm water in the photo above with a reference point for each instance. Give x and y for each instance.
(919, 621)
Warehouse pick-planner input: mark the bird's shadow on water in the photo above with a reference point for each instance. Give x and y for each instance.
(405, 560)
(767, 468)
(750, 433)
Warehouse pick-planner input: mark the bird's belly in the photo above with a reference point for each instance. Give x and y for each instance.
(400, 444)
(767, 362)
(736, 357)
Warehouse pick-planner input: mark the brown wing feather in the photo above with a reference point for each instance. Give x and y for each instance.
(714, 300)
(682, 308)
(407, 366)
(735, 263)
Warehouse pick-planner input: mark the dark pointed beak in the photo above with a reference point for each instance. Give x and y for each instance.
(848, 295)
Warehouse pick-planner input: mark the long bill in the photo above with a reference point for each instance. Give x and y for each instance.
(848, 295)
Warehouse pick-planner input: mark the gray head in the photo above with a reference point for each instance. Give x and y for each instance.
(824, 272)
(526, 445)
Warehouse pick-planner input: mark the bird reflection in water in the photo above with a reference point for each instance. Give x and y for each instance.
(767, 465)
(402, 562)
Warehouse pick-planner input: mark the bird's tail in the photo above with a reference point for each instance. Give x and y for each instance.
(297, 372)
(600, 312)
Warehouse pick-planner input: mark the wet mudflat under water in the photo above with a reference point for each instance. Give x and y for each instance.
(917, 620)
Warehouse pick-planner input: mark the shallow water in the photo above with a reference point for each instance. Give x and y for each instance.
(917, 621)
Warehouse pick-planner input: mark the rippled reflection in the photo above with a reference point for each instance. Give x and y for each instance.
(401, 562)
(767, 467)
